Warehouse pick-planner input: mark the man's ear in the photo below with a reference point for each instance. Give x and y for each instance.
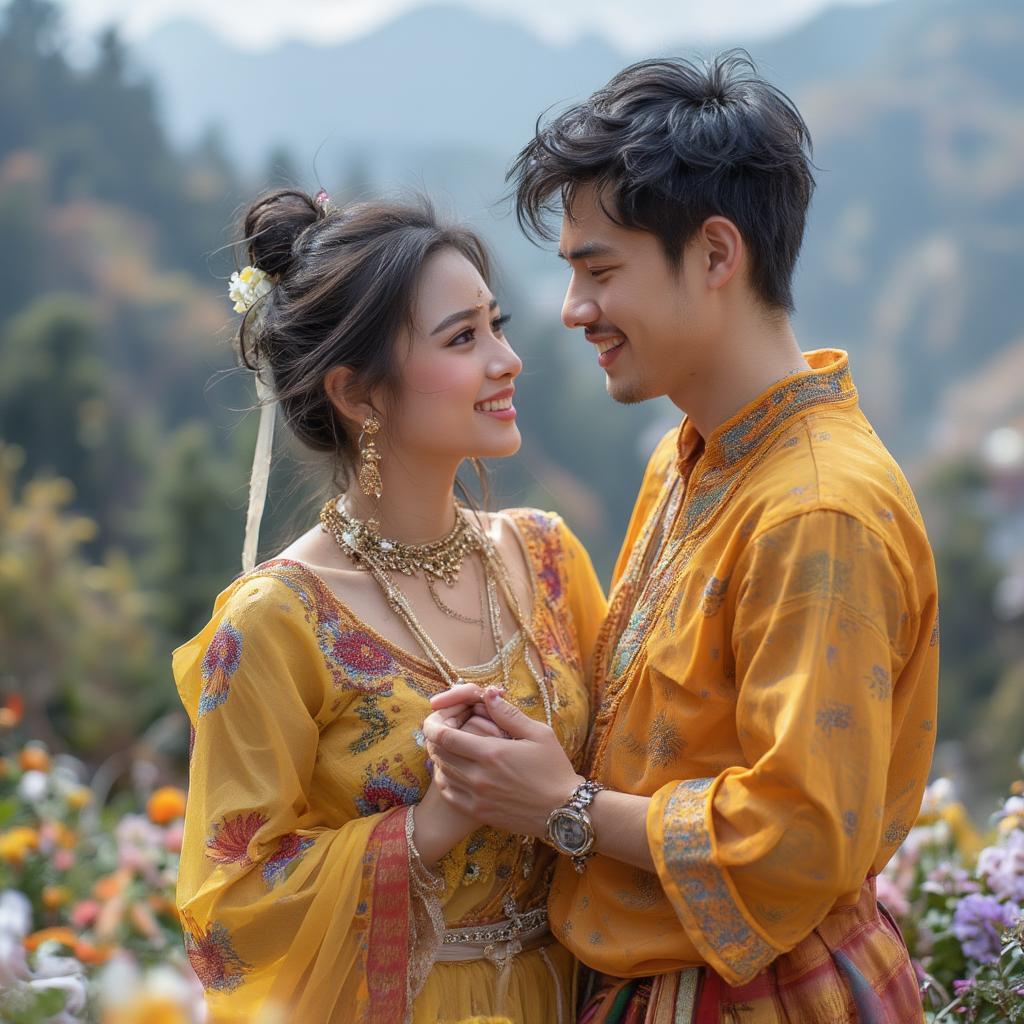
(351, 403)
(723, 249)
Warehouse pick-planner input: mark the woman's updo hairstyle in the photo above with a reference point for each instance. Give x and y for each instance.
(344, 286)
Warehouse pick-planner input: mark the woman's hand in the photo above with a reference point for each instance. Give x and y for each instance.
(513, 786)
(468, 697)
(438, 824)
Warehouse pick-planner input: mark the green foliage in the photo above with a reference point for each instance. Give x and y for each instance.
(959, 529)
(994, 995)
(191, 528)
(75, 634)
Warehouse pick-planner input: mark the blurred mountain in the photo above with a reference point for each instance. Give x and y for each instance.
(435, 77)
(916, 107)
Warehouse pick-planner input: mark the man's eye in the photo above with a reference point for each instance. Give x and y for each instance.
(598, 271)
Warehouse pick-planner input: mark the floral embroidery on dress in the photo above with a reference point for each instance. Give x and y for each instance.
(229, 841)
(213, 957)
(369, 666)
(353, 657)
(378, 725)
(288, 848)
(547, 554)
(220, 663)
(382, 790)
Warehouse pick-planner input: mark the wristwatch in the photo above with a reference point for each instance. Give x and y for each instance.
(570, 830)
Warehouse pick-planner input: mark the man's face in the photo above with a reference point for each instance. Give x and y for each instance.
(646, 319)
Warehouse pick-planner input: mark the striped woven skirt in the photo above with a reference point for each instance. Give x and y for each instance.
(852, 969)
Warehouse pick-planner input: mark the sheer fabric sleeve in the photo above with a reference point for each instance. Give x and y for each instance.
(587, 601)
(284, 904)
(753, 859)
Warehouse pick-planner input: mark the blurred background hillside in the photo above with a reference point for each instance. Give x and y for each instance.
(124, 444)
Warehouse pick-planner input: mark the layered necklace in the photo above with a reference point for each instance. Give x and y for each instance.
(438, 561)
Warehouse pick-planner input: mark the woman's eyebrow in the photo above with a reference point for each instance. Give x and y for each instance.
(463, 314)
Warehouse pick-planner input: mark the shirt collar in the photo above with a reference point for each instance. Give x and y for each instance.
(825, 382)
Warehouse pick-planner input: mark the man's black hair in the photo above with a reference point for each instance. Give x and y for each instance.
(669, 143)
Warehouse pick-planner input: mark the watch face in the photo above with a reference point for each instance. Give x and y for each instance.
(570, 833)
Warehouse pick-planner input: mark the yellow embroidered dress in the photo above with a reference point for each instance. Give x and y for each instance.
(296, 886)
(767, 674)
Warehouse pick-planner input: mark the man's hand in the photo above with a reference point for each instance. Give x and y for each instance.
(513, 785)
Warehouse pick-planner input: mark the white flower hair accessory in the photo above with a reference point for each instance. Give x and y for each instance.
(247, 286)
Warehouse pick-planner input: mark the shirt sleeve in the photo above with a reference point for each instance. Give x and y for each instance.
(282, 903)
(753, 859)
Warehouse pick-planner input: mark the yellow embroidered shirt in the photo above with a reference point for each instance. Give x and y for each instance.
(767, 674)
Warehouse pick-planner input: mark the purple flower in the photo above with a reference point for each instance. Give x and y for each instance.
(962, 985)
(979, 922)
(1002, 867)
(947, 879)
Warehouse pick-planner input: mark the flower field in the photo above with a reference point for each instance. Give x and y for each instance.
(89, 931)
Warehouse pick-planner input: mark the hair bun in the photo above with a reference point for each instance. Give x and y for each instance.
(273, 223)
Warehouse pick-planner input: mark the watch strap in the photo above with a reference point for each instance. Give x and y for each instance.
(583, 795)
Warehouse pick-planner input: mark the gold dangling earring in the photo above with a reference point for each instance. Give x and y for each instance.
(370, 482)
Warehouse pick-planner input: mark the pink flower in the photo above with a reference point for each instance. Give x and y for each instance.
(64, 860)
(890, 894)
(173, 837)
(84, 913)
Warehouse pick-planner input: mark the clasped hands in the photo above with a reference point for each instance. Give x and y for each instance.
(494, 763)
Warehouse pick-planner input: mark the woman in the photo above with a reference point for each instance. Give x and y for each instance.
(322, 876)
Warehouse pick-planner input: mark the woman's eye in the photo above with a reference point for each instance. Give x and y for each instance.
(464, 338)
(498, 323)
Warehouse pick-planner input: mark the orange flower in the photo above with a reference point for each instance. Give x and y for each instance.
(110, 916)
(162, 905)
(34, 758)
(55, 896)
(16, 843)
(11, 712)
(144, 922)
(88, 953)
(65, 936)
(110, 885)
(167, 804)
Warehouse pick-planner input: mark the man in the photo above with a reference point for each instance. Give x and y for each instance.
(766, 677)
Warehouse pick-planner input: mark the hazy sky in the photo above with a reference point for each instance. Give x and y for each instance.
(636, 24)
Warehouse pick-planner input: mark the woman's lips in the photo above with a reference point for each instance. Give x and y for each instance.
(499, 406)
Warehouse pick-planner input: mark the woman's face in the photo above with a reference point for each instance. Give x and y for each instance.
(457, 370)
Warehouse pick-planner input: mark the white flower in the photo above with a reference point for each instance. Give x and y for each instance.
(1014, 805)
(33, 786)
(246, 286)
(939, 795)
(15, 913)
(13, 965)
(74, 989)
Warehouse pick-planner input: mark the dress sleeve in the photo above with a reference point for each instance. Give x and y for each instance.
(587, 601)
(284, 904)
(753, 859)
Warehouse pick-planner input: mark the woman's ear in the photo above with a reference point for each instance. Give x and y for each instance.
(723, 248)
(351, 404)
